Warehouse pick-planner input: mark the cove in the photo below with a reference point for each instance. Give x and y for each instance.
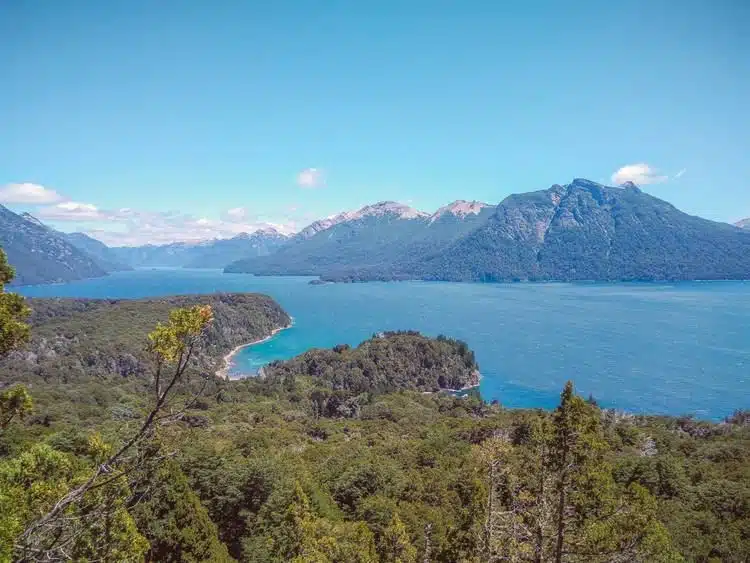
(657, 348)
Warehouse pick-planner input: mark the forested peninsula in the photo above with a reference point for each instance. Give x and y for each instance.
(118, 443)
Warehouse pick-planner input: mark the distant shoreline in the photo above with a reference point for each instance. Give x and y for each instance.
(223, 372)
(464, 388)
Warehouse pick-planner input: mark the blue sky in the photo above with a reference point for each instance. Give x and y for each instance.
(179, 111)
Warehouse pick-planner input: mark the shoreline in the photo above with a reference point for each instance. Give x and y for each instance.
(464, 388)
(223, 372)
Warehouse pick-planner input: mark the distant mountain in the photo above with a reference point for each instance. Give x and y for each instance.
(40, 254)
(98, 250)
(587, 231)
(372, 238)
(174, 255)
(744, 224)
(206, 254)
(222, 252)
(580, 231)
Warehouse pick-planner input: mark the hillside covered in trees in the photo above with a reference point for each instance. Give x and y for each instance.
(388, 361)
(334, 456)
(76, 339)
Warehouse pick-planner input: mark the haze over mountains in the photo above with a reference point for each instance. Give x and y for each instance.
(579, 231)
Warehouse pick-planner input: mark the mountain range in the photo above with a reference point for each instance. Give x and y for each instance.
(744, 224)
(579, 231)
(368, 240)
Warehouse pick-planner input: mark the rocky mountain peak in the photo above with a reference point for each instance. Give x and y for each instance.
(268, 232)
(460, 208)
(585, 184)
(394, 208)
(744, 224)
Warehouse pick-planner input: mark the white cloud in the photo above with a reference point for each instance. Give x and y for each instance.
(310, 178)
(72, 211)
(680, 173)
(132, 227)
(236, 214)
(128, 227)
(28, 193)
(641, 174)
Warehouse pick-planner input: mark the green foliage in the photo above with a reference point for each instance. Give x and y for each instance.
(345, 378)
(553, 497)
(13, 311)
(397, 547)
(171, 340)
(174, 521)
(34, 481)
(14, 403)
(323, 463)
(79, 339)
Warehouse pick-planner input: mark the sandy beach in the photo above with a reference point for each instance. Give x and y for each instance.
(223, 373)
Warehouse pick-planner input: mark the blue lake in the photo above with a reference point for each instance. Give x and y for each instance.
(658, 348)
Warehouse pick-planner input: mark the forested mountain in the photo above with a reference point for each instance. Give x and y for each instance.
(580, 231)
(222, 252)
(390, 361)
(76, 339)
(336, 456)
(98, 250)
(373, 237)
(206, 254)
(586, 231)
(172, 255)
(42, 255)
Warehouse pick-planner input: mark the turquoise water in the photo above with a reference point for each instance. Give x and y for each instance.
(676, 348)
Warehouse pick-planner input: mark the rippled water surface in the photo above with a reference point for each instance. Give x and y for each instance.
(672, 348)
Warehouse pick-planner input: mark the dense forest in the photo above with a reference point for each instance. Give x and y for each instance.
(339, 455)
(75, 339)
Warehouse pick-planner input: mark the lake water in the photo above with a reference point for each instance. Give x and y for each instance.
(658, 348)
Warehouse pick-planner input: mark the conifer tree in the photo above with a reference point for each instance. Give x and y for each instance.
(174, 521)
(397, 546)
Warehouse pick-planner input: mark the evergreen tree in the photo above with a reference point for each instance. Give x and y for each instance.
(13, 311)
(553, 497)
(397, 547)
(174, 521)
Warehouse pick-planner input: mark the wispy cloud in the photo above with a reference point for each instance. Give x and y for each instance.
(680, 173)
(641, 174)
(28, 193)
(132, 227)
(236, 214)
(72, 211)
(310, 178)
(157, 228)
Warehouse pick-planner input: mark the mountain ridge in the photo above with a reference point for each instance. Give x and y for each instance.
(579, 231)
(588, 231)
(40, 254)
